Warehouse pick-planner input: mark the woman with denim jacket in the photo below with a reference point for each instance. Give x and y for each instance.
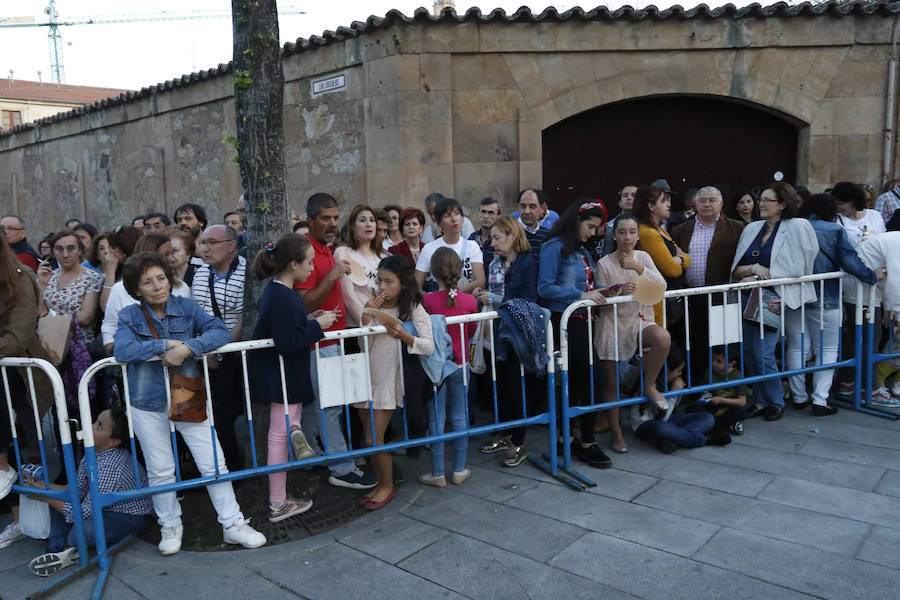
(566, 275)
(185, 331)
(774, 247)
(836, 253)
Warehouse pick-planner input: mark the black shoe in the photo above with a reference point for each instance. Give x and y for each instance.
(773, 413)
(666, 446)
(715, 437)
(823, 411)
(591, 455)
(800, 405)
(736, 428)
(756, 411)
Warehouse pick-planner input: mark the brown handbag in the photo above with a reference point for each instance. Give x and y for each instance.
(188, 394)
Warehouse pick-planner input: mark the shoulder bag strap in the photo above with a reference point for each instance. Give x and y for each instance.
(150, 322)
(212, 294)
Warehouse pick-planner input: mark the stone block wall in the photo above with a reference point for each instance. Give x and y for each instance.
(458, 108)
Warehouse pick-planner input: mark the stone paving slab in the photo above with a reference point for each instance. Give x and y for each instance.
(655, 575)
(500, 575)
(394, 539)
(841, 502)
(760, 434)
(766, 518)
(777, 462)
(881, 547)
(653, 528)
(819, 573)
(853, 453)
(889, 484)
(503, 526)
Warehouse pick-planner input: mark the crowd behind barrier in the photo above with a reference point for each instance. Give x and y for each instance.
(693, 321)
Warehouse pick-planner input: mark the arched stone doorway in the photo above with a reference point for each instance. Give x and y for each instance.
(691, 141)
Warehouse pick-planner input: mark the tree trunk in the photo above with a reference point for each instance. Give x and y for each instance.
(258, 105)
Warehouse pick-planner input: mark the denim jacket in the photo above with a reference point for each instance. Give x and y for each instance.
(518, 281)
(185, 321)
(561, 279)
(837, 253)
(439, 364)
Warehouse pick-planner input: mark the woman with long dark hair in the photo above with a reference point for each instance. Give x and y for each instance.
(566, 275)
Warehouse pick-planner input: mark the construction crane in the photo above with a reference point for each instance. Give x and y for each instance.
(54, 37)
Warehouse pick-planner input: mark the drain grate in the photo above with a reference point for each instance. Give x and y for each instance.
(332, 507)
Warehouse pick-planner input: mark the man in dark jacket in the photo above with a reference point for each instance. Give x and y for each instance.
(711, 240)
(15, 233)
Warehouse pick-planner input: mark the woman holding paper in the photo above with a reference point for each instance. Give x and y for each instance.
(364, 252)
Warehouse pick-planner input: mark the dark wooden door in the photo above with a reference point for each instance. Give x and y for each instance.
(689, 141)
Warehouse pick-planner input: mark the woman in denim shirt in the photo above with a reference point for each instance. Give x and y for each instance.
(186, 331)
(566, 275)
(836, 253)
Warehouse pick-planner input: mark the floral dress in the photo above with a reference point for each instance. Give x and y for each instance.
(68, 300)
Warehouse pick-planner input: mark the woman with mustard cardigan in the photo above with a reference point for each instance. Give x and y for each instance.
(652, 207)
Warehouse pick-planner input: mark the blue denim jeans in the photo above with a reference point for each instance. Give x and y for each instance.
(759, 359)
(117, 527)
(685, 430)
(311, 420)
(452, 396)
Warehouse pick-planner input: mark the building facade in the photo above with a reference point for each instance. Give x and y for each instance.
(474, 105)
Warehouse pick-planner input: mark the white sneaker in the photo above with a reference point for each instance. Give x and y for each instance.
(10, 535)
(51, 563)
(171, 539)
(7, 479)
(301, 447)
(882, 398)
(895, 389)
(241, 533)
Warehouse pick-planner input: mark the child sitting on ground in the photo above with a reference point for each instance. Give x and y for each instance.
(667, 431)
(115, 473)
(726, 404)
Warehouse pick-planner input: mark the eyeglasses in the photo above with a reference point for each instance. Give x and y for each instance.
(770, 200)
(8, 228)
(213, 242)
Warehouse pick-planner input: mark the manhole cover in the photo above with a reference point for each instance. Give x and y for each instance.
(332, 507)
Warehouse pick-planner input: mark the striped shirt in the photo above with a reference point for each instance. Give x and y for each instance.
(701, 240)
(229, 290)
(115, 473)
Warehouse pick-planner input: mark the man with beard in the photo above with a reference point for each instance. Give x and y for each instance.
(322, 291)
(191, 218)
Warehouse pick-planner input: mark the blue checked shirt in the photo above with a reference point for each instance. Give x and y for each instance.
(115, 473)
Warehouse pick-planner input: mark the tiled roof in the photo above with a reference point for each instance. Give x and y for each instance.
(18, 89)
(498, 15)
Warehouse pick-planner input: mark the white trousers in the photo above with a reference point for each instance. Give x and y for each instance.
(825, 347)
(152, 429)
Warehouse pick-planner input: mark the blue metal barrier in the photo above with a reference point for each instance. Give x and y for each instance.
(568, 412)
(70, 494)
(549, 464)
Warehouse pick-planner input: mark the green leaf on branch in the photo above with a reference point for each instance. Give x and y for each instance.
(249, 52)
(243, 20)
(236, 159)
(242, 79)
(231, 141)
(264, 208)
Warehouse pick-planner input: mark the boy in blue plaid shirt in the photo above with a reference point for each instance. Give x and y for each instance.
(115, 473)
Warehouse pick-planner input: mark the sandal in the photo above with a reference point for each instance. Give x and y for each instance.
(620, 448)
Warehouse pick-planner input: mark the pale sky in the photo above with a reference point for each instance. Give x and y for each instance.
(136, 55)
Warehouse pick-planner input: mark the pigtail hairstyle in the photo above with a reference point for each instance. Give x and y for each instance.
(275, 257)
(446, 268)
(410, 295)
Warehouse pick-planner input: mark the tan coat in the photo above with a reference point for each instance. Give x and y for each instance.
(18, 337)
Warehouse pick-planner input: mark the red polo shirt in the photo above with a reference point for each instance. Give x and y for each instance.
(323, 262)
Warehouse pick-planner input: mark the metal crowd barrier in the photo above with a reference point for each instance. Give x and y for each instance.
(730, 295)
(99, 500)
(65, 439)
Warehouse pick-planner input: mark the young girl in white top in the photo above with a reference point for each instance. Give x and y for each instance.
(363, 248)
(399, 296)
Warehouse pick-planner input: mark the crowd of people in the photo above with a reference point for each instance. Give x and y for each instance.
(174, 289)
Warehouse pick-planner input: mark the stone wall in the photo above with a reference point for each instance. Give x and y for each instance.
(457, 107)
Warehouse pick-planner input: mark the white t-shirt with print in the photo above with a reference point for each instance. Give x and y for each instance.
(467, 250)
(870, 225)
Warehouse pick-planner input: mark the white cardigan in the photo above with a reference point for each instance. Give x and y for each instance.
(883, 250)
(794, 251)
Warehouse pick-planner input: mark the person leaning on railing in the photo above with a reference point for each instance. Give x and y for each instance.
(836, 253)
(18, 338)
(776, 247)
(185, 332)
(565, 276)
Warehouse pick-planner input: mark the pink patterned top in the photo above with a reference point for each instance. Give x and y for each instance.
(68, 300)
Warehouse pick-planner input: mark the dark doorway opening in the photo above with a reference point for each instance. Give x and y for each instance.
(691, 141)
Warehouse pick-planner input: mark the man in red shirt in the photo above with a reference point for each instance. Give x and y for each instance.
(15, 235)
(322, 291)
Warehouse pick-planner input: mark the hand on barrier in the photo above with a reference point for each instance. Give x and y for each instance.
(176, 354)
(629, 288)
(595, 295)
(482, 295)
